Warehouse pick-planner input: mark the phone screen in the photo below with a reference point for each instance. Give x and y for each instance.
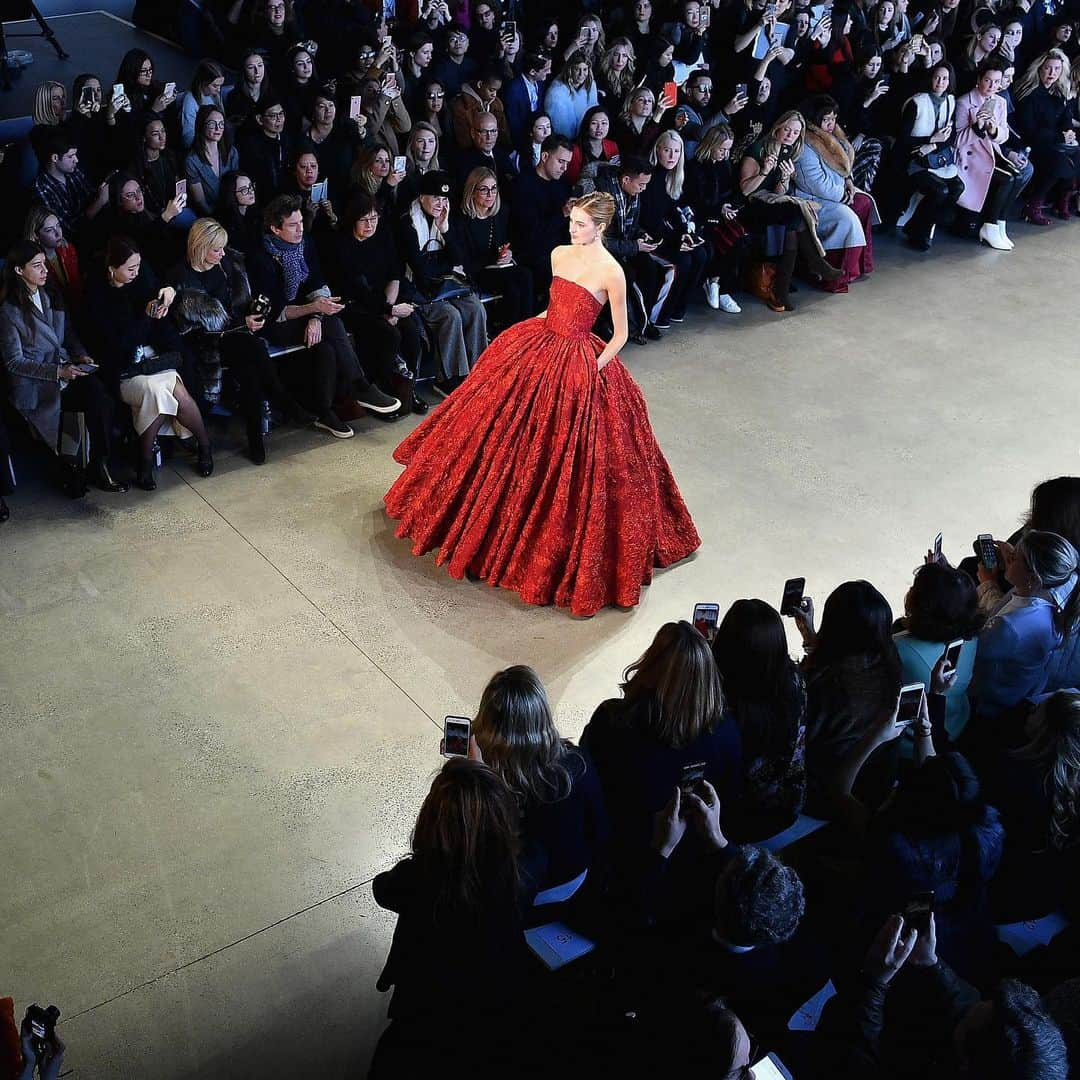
(793, 594)
(456, 736)
(399, 163)
(706, 619)
(740, 90)
(986, 549)
(952, 653)
(765, 1070)
(354, 107)
(692, 775)
(918, 910)
(910, 701)
(671, 91)
(181, 188)
(117, 91)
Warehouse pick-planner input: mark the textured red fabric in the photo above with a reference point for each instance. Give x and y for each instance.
(11, 1061)
(541, 474)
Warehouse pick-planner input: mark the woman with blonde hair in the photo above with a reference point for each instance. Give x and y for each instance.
(489, 258)
(515, 479)
(615, 72)
(1044, 121)
(50, 109)
(421, 156)
(373, 173)
(563, 824)
(639, 122)
(669, 718)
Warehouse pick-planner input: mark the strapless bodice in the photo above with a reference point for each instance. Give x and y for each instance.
(572, 309)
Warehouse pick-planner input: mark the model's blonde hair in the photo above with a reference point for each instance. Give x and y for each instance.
(472, 182)
(599, 205)
(1030, 79)
(43, 110)
(205, 234)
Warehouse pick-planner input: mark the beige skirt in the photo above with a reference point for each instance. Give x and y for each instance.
(151, 396)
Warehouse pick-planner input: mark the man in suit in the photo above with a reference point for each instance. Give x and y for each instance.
(525, 94)
(484, 153)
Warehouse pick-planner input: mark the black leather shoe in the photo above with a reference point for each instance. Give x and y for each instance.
(204, 466)
(103, 480)
(419, 405)
(5, 510)
(144, 475)
(256, 443)
(652, 333)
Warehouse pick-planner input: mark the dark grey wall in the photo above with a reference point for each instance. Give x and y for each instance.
(123, 8)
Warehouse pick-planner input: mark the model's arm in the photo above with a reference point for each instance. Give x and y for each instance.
(615, 287)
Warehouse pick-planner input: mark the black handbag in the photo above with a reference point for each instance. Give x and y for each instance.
(450, 287)
(941, 157)
(152, 365)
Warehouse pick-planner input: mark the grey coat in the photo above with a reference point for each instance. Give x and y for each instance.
(31, 355)
(838, 225)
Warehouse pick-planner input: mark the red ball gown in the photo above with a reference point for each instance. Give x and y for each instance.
(541, 474)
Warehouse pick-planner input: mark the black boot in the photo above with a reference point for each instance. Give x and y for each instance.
(256, 441)
(204, 464)
(5, 510)
(144, 474)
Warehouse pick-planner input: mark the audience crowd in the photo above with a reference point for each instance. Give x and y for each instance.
(348, 198)
(666, 861)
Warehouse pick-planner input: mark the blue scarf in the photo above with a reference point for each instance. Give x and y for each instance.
(290, 257)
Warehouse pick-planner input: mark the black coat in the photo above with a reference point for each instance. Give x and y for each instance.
(361, 270)
(428, 267)
(267, 278)
(538, 223)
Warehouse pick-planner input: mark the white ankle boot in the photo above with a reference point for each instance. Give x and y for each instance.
(988, 234)
(1004, 236)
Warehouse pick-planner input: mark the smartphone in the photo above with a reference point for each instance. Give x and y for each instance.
(508, 27)
(170, 89)
(319, 191)
(671, 91)
(741, 89)
(952, 652)
(399, 163)
(157, 308)
(765, 1069)
(354, 107)
(706, 15)
(456, 731)
(986, 549)
(692, 775)
(770, 11)
(390, 81)
(793, 595)
(911, 699)
(884, 80)
(117, 91)
(86, 95)
(706, 619)
(181, 189)
(88, 368)
(918, 909)
(937, 548)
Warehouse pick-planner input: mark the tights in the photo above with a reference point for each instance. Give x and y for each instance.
(187, 412)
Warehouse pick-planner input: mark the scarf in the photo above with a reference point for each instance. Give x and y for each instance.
(290, 257)
(834, 149)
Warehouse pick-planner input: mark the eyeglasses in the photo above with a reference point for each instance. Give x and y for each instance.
(249, 190)
(215, 125)
(487, 189)
(370, 219)
(275, 9)
(146, 70)
(436, 94)
(276, 114)
(131, 195)
(486, 131)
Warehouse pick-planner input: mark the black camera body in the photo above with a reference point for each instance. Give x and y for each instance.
(42, 1027)
(260, 306)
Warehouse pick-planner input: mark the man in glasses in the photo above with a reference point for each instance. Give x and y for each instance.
(454, 68)
(481, 96)
(484, 153)
(266, 152)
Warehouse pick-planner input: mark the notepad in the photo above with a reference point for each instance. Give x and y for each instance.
(557, 945)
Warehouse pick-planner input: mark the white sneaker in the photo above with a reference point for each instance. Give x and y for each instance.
(725, 303)
(712, 293)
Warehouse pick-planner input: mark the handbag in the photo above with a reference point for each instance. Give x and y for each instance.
(151, 365)
(940, 157)
(450, 287)
(761, 280)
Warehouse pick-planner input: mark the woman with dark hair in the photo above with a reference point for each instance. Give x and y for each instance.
(136, 75)
(765, 694)
(527, 154)
(488, 257)
(1029, 624)
(670, 716)
(458, 935)
(941, 607)
(205, 89)
(367, 272)
(926, 143)
(334, 142)
(90, 128)
(48, 369)
(592, 146)
(299, 86)
(155, 167)
(433, 109)
(824, 173)
(830, 68)
(212, 155)
(563, 824)
(319, 217)
(239, 212)
(244, 100)
(126, 319)
(127, 215)
(272, 30)
(415, 65)
(852, 672)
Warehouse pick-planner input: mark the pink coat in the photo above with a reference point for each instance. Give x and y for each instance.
(975, 152)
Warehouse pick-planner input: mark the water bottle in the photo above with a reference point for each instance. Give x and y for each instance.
(156, 451)
(266, 420)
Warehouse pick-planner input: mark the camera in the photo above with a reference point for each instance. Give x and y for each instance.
(260, 307)
(42, 1027)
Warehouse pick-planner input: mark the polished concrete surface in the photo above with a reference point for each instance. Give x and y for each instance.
(220, 702)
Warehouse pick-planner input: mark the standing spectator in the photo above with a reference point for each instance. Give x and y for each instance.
(455, 68)
(212, 155)
(244, 100)
(570, 95)
(525, 93)
(538, 218)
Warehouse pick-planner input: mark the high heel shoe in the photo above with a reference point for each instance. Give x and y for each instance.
(256, 442)
(144, 475)
(104, 481)
(204, 466)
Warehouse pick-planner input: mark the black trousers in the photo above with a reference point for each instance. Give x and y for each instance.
(515, 286)
(250, 364)
(382, 344)
(689, 270)
(938, 203)
(320, 376)
(89, 396)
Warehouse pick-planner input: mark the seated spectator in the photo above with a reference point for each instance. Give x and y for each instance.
(1043, 121)
(670, 716)
(49, 113)
(212, 155)
(980, 47)
(488, 256)
(302, 312)
(563, 823)
(458, 935)
(211, 272)
(239, 212)
(696, 114)
(299, 86)
(455, 67)
(43, 360)
(334, 142)
(592, 146)
(940, 607)
(244, 100)
(1025, 625)
(266, 151)
(530, 147)
(539, 198)
(990, 188)
(926, 135)
(205, 89)
(142, 94)
(765, 694)
(524, 95)
(156, 170)
(89, 126)
(373, 175)
(126, 321)
(421, 156)
(586, 38)
(434, 110)
(451, 310)
(824, 173)
(712, 190)
(387, 117)
(852, 675)
(668, 217)
(639, 122)
(62, 187)
(43, 227)
(480, 96)
(368, 273)
(483, 153)
(127, 215)
(319, 217)
(615, 74)
(570, 95)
